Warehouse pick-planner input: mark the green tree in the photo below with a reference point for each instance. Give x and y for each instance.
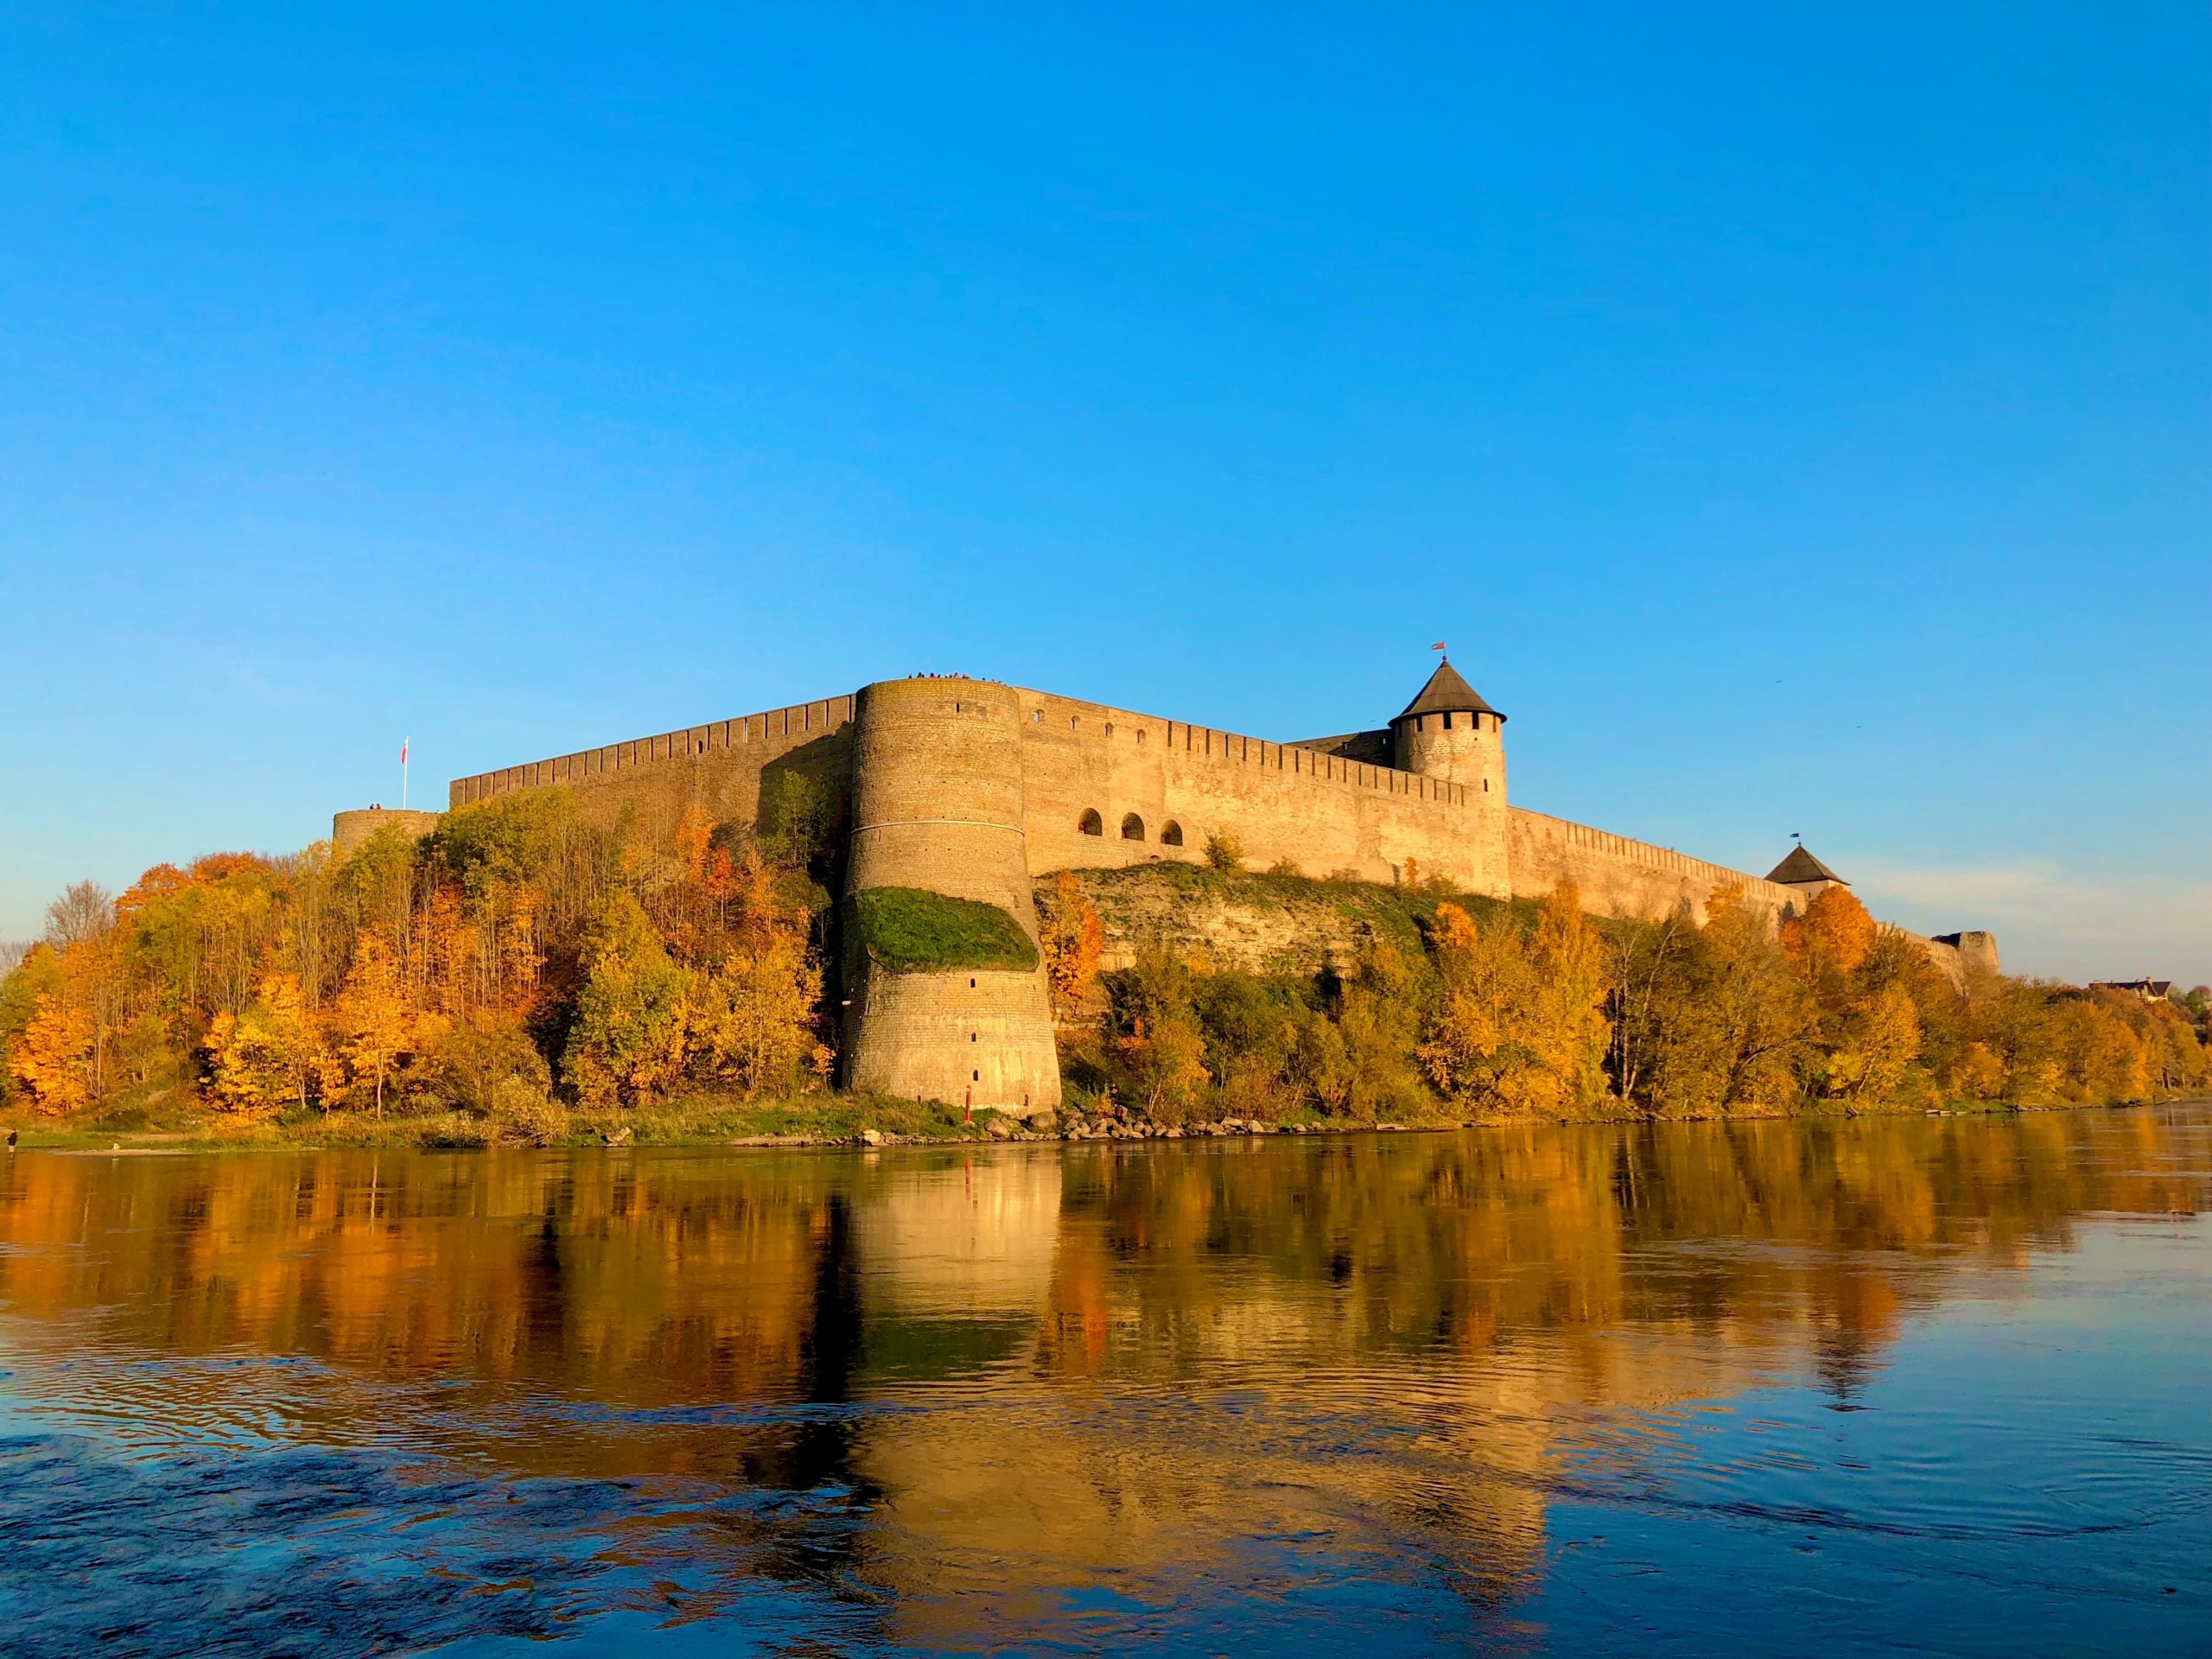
(628, 1039)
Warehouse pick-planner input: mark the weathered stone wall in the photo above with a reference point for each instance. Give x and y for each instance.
(1977, 952)
(720, 767)
(938, 805)
(348, 831)
(1320, 813)
(1620, 877)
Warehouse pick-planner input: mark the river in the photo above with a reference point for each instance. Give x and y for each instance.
(1918, 1384)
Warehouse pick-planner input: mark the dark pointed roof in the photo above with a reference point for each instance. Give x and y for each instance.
(1802, 866)
(1446, 692)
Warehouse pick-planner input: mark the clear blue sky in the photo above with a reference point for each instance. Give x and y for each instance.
(1795, 419)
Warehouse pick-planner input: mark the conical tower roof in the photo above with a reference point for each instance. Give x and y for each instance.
(1447, 693)
(1802, 866)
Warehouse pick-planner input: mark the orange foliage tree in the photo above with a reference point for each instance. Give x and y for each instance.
(1071, 938)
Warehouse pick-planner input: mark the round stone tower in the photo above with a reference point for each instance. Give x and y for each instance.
(937, 808)
(1449, 732)
(350, 830)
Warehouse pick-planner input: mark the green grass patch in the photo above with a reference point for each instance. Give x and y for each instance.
(912, 932)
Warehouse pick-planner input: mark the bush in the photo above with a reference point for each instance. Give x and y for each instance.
(910, 931)
(480, 1056)
(1225, 852)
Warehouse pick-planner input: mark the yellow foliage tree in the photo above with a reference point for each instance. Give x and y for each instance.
(52, 1059)
(371, 1017)
(1831, 940)
(1520, 1025)
(55, 1060)
(754, 1017)
(263, 1057)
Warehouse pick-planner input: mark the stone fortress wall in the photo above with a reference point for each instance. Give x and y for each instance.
(973, 789)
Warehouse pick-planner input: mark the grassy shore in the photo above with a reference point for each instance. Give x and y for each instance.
(724, 1120)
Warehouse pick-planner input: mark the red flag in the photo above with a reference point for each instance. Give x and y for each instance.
(1439, 645)
(403, 751)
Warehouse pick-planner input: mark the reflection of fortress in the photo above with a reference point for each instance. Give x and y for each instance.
(1040, 1371)
(971, 790)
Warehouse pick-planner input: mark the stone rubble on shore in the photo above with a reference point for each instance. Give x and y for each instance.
(1109, 1122)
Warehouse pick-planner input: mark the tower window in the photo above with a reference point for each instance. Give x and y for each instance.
(1447, 720)
(974, 1077)
(1171, 834)
(1132, 828)
(1090, 823)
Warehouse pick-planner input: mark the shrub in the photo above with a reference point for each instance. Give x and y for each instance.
(1225, 852)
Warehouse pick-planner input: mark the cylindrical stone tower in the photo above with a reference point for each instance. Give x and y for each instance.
(1448, 732)
(349, 830)
(937, 809)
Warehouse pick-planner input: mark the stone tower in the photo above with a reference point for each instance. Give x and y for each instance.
(1448, 732)
(1804, 875)
(938, 806)
(350, 831)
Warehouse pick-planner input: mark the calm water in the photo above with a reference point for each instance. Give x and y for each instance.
(1935, 1385)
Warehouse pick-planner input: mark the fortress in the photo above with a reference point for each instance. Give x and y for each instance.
(971, 789)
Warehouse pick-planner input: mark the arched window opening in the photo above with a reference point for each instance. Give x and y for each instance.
(1132, 828)
(1171, 834)
(1090, 823)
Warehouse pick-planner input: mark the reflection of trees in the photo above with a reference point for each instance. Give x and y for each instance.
(1139, 1359)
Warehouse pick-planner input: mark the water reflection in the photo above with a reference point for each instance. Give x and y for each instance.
(1197, 1394)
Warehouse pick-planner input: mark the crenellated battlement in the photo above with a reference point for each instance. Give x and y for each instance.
(776, 728)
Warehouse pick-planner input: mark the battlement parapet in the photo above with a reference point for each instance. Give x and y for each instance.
(775, 727)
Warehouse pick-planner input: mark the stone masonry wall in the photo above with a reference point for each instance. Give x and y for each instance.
(1321, 813)
(718, 767)
(1621, 877)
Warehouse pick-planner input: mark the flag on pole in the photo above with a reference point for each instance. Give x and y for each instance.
(1439, 645)
(403, 751)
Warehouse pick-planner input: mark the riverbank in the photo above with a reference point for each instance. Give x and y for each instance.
(812, 1121)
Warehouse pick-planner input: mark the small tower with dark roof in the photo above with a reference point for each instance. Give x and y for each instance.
(1450, 731)
(1804, 875)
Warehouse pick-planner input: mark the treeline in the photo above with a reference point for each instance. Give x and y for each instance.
(1496, 1010)
(518, 950)
(524, 958)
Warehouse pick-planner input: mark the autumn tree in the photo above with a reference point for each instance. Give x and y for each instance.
(51, 1055)
(263, 1057)
(1071, 938)
(755, 1006)
(628, 1041)
(371, 1017)
(1156, 1034)
(1520, 1024)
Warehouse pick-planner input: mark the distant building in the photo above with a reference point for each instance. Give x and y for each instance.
(2151, 990)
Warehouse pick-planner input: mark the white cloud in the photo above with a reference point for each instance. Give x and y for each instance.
(2050, 920)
